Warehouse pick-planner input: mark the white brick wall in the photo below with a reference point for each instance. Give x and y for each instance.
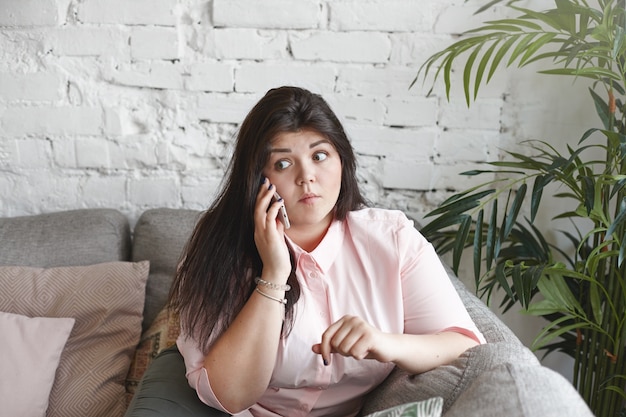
(140, 99)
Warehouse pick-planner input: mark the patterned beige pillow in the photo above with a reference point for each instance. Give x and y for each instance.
(106, 300)
(161, 334)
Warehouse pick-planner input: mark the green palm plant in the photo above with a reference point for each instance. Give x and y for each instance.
(581, 293)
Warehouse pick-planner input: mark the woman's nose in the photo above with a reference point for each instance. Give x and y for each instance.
(306, 174)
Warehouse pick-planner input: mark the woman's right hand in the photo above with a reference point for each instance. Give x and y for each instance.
(250, 343)
(269, 235)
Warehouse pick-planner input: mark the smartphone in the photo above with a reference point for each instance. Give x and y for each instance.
(282, 214)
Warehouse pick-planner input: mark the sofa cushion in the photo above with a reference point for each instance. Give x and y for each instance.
(447, 381)
(159, 237)
(106, 300)
(29, 357)
(77, 237)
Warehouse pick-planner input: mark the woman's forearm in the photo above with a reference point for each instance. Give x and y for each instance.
(421, 353)
(240, 363)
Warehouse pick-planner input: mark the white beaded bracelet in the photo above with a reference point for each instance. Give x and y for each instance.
(271, 285)
(282, 301)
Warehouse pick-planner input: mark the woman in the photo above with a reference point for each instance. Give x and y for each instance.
(306, 320)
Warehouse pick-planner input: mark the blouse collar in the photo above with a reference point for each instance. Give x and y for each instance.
(327, 250)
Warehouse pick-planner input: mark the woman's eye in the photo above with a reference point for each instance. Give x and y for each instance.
(282, 164)
(320, 156)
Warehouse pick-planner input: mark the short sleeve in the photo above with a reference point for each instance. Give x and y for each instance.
(196, 373)
(431, 303)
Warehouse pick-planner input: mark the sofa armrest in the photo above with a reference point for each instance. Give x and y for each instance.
(446, 381)
(165, 392)
(520, 390)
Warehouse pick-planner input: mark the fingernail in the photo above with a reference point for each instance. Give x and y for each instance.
(325, 362)
(271, 186)
(280, 199)
(263, 180)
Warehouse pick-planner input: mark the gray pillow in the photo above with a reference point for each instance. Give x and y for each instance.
(159, 237)
(77, 237)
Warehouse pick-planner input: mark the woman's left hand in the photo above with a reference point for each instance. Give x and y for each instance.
(352, 336)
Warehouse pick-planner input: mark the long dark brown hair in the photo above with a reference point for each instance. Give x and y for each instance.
(216, 272)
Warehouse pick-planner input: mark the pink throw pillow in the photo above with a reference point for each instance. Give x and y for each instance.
(29, 357)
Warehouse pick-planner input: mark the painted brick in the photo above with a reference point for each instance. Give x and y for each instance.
(154, 192)
(87, 41)
(390, 81)
(133, 152)
(458, 18)
(8, 153)
(405, 144)
(469, 145)
(380, 15)
(154, 43)
(51, 121)
(92, 153)
(267, 14)
(357, 109)
(411, 111)
(447, 177)
(193, 141)
(8, 202)
(210, 76)
(136, 12)
(33, 153)
(20, 50)
(198, 193)
(483, 114)
(38, 191)
(103, 191)
(407, 175)
(131, 120)
(413, 48)
(33, 12)
(355, 47)
(64, 152)
(261, 77)
(224, 108)
(38, 86)
(243, 43)
(155, 74)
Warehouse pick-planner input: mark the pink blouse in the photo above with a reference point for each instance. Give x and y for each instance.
(374, 265)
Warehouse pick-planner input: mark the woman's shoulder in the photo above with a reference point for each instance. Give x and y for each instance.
(372, 217)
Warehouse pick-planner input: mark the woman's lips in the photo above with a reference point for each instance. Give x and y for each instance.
(308, 198)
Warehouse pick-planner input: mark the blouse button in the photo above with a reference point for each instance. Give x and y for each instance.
(312, 275)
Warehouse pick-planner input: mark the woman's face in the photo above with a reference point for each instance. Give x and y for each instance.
(306, 170)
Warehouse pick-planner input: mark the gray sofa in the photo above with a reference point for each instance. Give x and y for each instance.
(500, 378)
